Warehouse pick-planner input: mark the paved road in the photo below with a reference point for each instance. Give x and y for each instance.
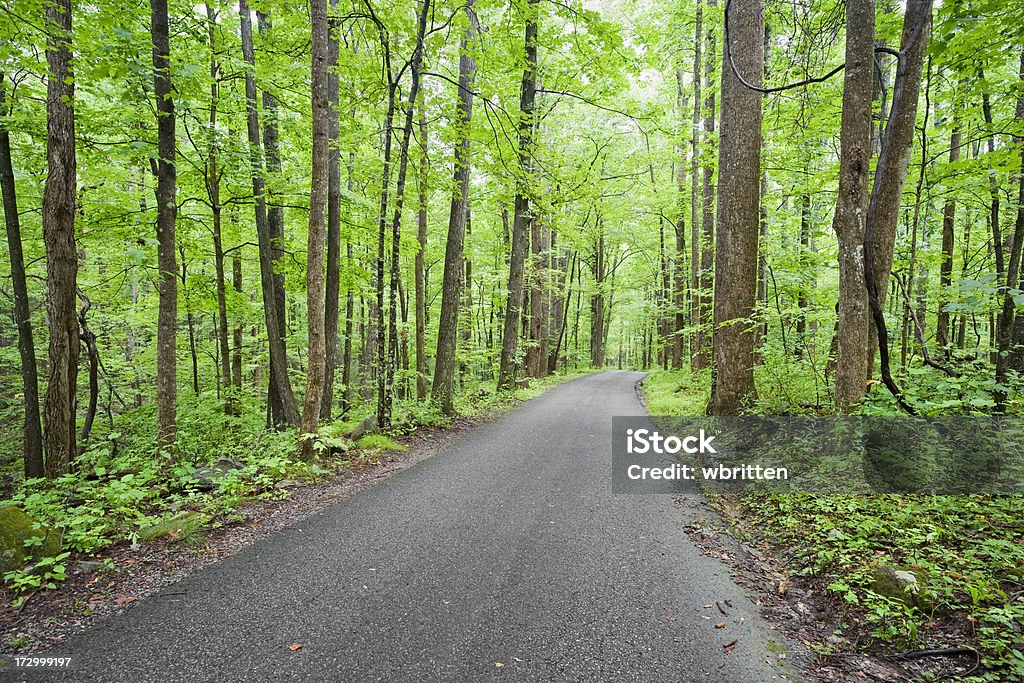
(508, 548)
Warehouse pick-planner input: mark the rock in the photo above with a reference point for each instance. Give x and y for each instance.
(16, 527)
(523, 383)
(88, 566)
(176, 528)
(901, 585)
(208, 477)
(366, 426)
(285, 484)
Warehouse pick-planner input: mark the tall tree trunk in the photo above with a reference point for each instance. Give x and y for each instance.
(852, 203)
(948, 237)
(190, 322)
(1005, 335)
(279, 380)
(32, 433)
(236, 354)
(696, 339)
(700, 356)
(59, 237)
(166, 214)
(738, 211)
(317, 231)
(333, 286)
(893, 162)
(418, 270)
(679, 279)
(213, 175)
(415, 67)
(346, 370)
(597, 303)
(275, 223)
(521, 217)
(536, 353)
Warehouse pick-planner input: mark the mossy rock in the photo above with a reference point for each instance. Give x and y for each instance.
(902, 585)
(16, 527)
(176, 528)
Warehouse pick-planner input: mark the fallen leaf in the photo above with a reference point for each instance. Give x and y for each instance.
(295, 646)
(720, 624)
(124, 599)
(730, 645)
(498, 665)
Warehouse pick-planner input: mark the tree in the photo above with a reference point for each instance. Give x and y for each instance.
(852, 204)
(521, 216)
(32, 433)
(166, 216)
(448, 322)
(281, 384)
(59, 442)
(333, 282)
(738, 219)
(893, 162)
(315, 368)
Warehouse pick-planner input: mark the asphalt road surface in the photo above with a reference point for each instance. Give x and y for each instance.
(506, 557)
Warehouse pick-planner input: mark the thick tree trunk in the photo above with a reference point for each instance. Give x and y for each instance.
(275, 223)
(32, 433)
(442, 390)
(738, 212)
(59, 442)
(333, 285)
(897, 144)
(166, 216)
(852, 204)
(521, 217)
(317, 231)
(279, 382)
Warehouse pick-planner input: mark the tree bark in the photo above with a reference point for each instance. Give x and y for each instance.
(279, 380)
(738, 219)
(166, 216)
(696, 338)
(700, 357)
(32, 433)
(894, 160)
(1005, 335)
(521, 216)
(333, 284)
(275, 223)
(948, 237)
(317, 231)
(418, 265)
(59, 236)
(852, 203)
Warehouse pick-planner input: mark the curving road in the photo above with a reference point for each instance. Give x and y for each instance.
(504, 558)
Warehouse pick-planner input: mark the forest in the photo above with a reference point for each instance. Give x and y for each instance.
(280, 235)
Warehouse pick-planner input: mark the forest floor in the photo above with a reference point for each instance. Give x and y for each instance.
(813, 561)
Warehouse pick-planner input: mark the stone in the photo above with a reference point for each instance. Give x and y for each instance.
(366, 426)
(16, 527)
(209, 477)
(900, 584)
(176, 528)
